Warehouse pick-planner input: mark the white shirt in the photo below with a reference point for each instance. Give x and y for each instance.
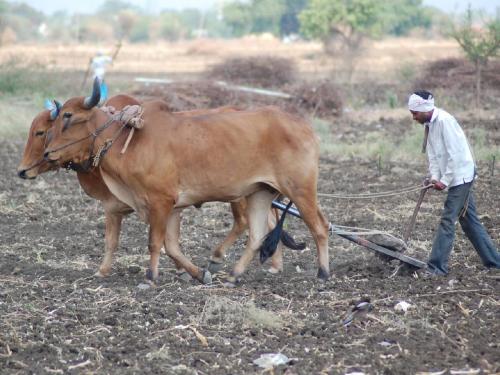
(450, 157)
(99, 65)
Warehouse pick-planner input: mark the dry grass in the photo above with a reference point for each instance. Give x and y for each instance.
(260, 71)
(380, 58)
(225, 313)
(17, 114)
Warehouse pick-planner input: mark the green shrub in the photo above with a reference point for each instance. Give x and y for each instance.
(392, 99)
(480, 147)
(16, 78)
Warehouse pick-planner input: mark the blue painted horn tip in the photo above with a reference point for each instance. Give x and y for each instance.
(48, 104)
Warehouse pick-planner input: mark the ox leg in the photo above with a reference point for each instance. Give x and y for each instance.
(318, 225)
(112, 234)
(240, 224)
(182, 263)
(174, 235)
(257, 211)
(157, 225)
(277, 260)
(180, 272)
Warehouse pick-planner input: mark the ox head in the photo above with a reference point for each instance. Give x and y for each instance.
(72, 129)
(33, 162)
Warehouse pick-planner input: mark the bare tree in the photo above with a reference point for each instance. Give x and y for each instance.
(479, 45)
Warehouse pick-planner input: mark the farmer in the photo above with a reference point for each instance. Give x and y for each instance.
(99, 64)
(451, 168)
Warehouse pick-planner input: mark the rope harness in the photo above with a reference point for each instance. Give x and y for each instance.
(346, 230)
(407, 190)
(35, 165)
(42, 160)
(130, 116)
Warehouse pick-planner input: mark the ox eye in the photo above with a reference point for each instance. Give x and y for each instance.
(67, 114)
(39, 133)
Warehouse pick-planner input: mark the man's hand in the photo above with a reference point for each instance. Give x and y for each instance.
(438, 185)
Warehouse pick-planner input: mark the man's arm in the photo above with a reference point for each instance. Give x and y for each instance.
(433, 163)
(454, 142)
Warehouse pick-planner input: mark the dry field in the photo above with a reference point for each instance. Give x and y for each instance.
(379, 59)
(57, 318)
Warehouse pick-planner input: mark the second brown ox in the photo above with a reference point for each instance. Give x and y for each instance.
(33, 164)
(174, 162)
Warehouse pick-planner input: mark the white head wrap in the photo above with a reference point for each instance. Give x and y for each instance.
(418, 104)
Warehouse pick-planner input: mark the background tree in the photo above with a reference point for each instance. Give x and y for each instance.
(172, 27)
(342, 26)
(403, 16)
(257, 16)
(113, 7)
(289, 23)
(141, 31)
(266, 15)
(126, 20)
(21, 20)
(238, 17)
(95, 29)
(3, 19)
(479, 44)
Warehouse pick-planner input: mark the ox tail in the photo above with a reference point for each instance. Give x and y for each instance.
(289, 242)
(270, 243)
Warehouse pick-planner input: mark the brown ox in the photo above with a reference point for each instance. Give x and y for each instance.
(174, 162)
(92, 183)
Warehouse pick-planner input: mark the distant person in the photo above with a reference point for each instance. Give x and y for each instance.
(451, 168)
(99, 64)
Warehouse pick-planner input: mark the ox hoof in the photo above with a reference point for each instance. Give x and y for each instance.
(273, 270)
(206, 277)
(150, 276)
(214, 267)
(184, 276)
(101, 274)
(232, 281)
(323, 274)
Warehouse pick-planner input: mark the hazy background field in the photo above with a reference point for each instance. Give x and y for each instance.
(45, 53)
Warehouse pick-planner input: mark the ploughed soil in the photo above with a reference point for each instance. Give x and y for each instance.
(57, 317)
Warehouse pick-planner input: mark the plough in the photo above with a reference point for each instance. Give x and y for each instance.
(363, 241)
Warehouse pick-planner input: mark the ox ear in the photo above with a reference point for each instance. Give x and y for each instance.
(93, 100)
(55, 111)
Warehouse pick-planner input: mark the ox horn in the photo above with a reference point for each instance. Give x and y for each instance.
(91, 101)
(55, 112)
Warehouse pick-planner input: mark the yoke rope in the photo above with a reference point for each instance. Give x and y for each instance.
(375, 195)
(346, 230)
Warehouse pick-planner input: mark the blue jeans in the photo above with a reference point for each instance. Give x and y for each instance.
(472, 227)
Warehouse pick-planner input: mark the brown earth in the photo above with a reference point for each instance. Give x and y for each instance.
(56, 317)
